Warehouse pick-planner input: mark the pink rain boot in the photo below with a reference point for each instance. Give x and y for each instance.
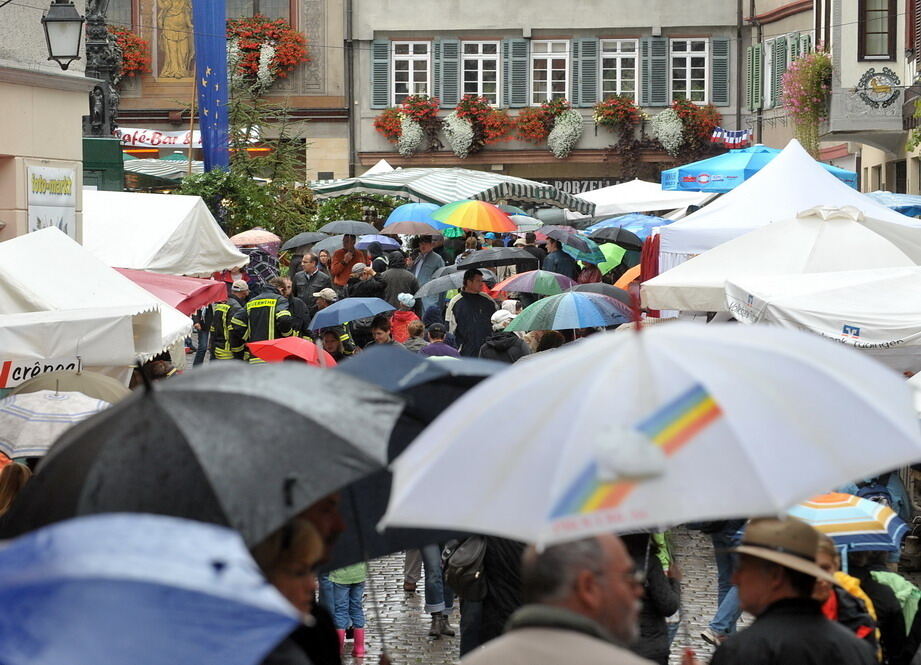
(358, 649)
(341, 635)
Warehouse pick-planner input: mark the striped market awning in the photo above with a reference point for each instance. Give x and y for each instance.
(169, 169)
(444, 185)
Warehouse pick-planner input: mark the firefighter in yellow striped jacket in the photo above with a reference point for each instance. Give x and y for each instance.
(266, 316)
(222, 313)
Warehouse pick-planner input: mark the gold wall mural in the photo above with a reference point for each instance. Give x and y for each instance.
(175, 47)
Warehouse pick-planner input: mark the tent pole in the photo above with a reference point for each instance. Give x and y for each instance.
(191, 127)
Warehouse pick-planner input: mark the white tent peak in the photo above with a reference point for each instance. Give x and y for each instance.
(833, 212)
(790, 183)
(637, 196)
(382, 166)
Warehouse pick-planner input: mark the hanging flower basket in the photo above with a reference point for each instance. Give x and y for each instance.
(411, 123)
(262, 50)
(617, 114)
(475, 124)
(555, 122)
(135, 52)
(806, 90)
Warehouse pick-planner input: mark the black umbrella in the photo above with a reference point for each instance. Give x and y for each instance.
(428, 386)
(330, 244)
(305, 238)
(248, 446)
(498, 256)
(605, 290)
(619, 236)
(452, 280)
(569, 236)
(349, 227)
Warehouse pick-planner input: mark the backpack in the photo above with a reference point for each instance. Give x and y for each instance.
(463, 567)
(875, 490)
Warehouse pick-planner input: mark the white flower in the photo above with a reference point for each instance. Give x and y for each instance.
(566, 132)
(668, 128)
(411, 136)
(233, 62)
(460, 134)
(265, 77)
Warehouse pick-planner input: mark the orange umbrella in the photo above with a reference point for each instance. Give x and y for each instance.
(476, 216)
(291, 348)
(631, 275)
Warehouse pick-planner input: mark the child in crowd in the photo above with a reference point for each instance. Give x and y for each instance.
(348, 593)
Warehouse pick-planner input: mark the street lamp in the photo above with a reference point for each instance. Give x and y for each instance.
(63, 27)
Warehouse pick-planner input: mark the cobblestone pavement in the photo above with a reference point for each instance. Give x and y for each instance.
(405, 623)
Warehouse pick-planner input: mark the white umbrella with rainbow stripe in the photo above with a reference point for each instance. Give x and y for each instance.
(672, 424)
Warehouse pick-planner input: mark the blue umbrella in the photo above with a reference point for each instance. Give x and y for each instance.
(141, 589)
(386, 242)
(349, 310)
(907, 204)
(727, 171)
(416, 212)
(638, 223)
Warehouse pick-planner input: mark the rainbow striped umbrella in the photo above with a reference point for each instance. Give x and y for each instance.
(543, 282)
(415, 212)
(855, 524)
(569, 310)
(476, 216)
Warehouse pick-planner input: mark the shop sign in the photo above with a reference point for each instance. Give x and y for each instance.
(578, 185)
(52, 198)
(154, 138)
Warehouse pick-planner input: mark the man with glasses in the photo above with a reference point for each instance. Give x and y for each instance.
(582, 605)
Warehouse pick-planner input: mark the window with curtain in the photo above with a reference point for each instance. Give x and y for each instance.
(481, 70)
(876, 28)
(618, 67)
(272, 9)
(549, 70)
(412, 71)
(689, 69)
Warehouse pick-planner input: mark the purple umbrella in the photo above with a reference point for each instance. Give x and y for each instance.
(386, 242)
(544, 282)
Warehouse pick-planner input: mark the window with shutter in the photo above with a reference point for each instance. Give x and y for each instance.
(549, 70)
(778, 69)
(586, 94)
(515, 72)
(719, 84)
(690, 69)
(380, 73)
(767, 75)
(619, 67)
(480, 70)
(805, 44)
(574, 78)
(654, 81)
(915, 19)
(449, 92)
(793, 44)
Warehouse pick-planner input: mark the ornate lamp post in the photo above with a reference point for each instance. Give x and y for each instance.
(103, 60)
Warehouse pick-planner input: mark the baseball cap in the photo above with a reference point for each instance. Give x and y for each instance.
(788, 542)
(437, 328)
(358, 268)
(239, 286)
(327, 294)
(520, 243)
(406, 299)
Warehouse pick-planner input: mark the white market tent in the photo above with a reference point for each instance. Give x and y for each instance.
(791, 182)
(47, 272)
(166, 233)
(637, 196)
(876, 311)
(818, 240)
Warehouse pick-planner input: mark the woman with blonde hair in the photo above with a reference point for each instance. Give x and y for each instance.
(13, 478)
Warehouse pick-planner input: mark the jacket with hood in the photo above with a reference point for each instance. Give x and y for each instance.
(472, 315)
(504, 346)
(399, 324)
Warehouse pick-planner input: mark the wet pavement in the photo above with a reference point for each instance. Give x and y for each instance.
(405, 624)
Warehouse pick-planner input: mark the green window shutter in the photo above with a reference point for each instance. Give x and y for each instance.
(380, 74)
(757, 69)
(586, 92)
(449, 73)
(794, 46)
(719, 71)
(515, 72)
(435, 64)
(805, 44)
(778, 68)
(654, 64)
(574, 69)
(749, 77)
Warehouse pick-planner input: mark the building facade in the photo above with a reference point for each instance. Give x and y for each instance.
(519, 55)
(40, 136)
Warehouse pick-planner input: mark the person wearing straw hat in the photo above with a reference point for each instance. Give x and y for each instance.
(776, 577)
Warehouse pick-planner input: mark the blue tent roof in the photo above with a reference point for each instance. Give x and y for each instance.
(907, 204)
(641, 225)
(725, 172)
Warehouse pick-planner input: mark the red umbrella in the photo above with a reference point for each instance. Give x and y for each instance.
(187, 294)
(297, 348)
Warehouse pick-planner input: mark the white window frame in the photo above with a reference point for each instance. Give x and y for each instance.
(549, 55)
(618, 56)
(411, 57)
(479, 58)
(687, 66)
(767, 74)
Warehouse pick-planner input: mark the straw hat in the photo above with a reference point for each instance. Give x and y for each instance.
(787, 542)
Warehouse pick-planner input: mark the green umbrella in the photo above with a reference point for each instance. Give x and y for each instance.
(571, 309)
(613, 255)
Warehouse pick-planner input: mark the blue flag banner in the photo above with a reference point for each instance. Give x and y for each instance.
(210, 25)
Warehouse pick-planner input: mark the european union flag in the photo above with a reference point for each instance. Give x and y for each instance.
(210, 24)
